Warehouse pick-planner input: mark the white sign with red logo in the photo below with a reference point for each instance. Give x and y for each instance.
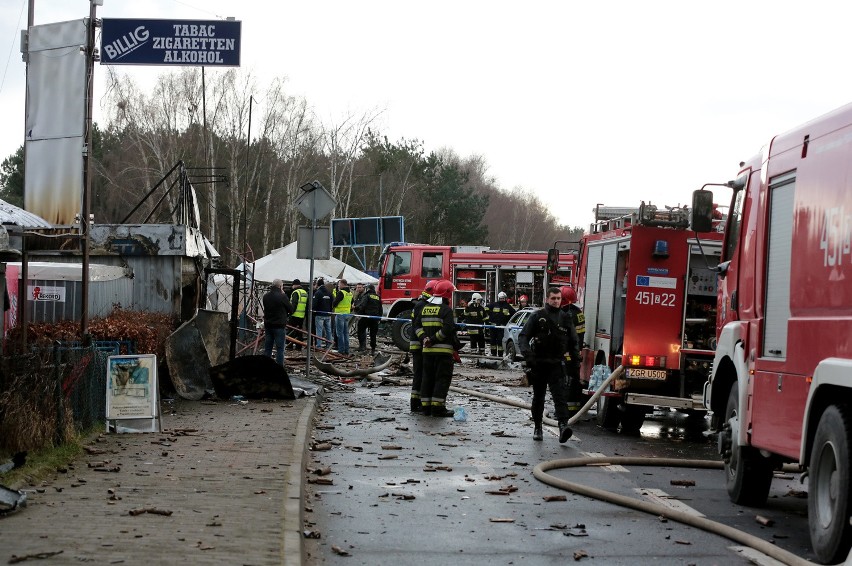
(45, 294)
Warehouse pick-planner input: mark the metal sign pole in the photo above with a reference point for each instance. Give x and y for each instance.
(311, 279)
(314, 203)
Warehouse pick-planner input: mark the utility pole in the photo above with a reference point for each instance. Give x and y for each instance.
(247, 183)
(85, 225)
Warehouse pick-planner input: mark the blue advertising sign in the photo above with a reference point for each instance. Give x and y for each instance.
(170, 42)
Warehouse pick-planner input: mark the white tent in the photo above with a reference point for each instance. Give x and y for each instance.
(283, 264)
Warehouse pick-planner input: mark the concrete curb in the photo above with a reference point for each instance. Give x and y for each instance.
(292, 549)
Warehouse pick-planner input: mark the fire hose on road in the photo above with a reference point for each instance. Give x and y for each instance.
(540, 473)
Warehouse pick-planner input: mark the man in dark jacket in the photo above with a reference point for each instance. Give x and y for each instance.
(368, 304)
(546, 338)
(322, 314)
(276, 309)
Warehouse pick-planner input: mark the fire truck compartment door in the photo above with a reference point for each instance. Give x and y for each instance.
(609, 267)
(780, 244)
(590, 294)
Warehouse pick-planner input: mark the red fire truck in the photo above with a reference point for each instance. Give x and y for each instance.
(781, 385)
(404, 270)
(647, 286)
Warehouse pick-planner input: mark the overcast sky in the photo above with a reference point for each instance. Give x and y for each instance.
(579, 102)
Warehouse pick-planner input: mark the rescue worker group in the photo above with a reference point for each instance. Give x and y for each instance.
(549, 342)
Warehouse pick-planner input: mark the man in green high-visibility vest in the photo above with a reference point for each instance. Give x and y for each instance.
(299, 300)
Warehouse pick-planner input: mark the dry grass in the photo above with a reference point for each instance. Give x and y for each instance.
(44, 463)
(29, 408)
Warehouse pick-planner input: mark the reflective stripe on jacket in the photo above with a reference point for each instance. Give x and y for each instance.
(299, 300)
(436, 323)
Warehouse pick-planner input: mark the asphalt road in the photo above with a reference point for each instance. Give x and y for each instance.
(396, 488)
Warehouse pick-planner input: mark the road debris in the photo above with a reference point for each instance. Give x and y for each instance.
(36, 556)
(683, 483)
(551, 498)
(765, 521)
(501, 520)
(151, 510)
(337, 550)
(11, 499)
(580, 554)
(578, 530)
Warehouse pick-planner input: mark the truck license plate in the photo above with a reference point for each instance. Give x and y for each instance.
(647, 373)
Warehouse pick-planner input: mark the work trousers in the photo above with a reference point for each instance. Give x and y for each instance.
(365, 324)
(296, 332)
(275, 337)
(544, 376)
(574, 391)
(417, 365)
(341, 328)
(477, 340)
(496, 340)
(437, 375)
(323, 326)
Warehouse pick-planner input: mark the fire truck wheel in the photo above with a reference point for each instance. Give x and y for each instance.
(829, 486)
(608, 414)
(401, 330)
(511, 351)
(748, 475)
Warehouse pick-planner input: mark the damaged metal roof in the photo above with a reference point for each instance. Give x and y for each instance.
(11, 214)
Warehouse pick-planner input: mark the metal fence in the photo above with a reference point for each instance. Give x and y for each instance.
(51, 394)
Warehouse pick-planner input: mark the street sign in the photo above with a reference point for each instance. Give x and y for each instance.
(321, 240)
(316, 202)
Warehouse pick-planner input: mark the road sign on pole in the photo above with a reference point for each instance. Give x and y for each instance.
(314, 203)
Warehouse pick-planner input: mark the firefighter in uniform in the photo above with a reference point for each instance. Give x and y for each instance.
(498, 314)
(546, 341)
(299, 300)
(572, 370)
(369, 305)
(474, 313)
(436, 329)
(416, 348)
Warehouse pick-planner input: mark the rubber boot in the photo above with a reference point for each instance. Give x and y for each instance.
(416, 407)
(538, 433)
(427, 410)
(441, 411)
(565, 432)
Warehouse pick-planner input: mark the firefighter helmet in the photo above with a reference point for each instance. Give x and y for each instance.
(569, 295)
(501, 296)
(523, 298)
(476, 297)
(429, 286)
(443, 289)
